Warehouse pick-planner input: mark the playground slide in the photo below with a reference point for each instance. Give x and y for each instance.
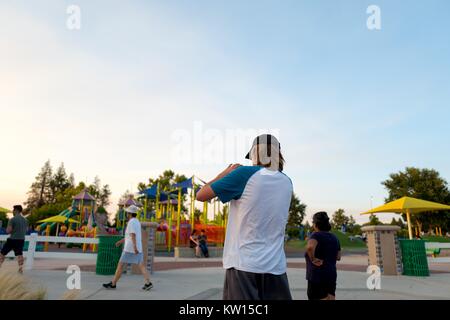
(68, 213)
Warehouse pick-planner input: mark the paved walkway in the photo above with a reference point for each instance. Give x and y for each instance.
(203, 279)
(206, 283)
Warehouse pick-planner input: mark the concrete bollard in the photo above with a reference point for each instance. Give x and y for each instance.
(148, 246)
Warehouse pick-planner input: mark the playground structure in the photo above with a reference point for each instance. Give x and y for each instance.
(176, 222)
(81, 220)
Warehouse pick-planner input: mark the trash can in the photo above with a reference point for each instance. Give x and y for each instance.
(108, 254)
(414, 258)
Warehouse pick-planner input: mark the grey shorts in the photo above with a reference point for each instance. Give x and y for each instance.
(241, 285)
(134, 258)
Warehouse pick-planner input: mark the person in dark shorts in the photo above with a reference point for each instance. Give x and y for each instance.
(259, 197)
(202, 238)
(322, 251)
(17, 228)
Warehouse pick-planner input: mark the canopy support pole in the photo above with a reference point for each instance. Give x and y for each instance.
(408, 219)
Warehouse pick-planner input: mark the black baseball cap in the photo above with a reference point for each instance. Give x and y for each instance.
(267, 139)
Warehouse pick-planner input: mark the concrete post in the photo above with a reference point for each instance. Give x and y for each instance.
(383, 248)
(148, 245)
(30, 252)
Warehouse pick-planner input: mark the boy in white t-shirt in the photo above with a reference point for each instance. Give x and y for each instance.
(132, 250)
(259, 197)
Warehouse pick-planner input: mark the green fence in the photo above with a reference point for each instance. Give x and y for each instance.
(108, 254)
(414, 258)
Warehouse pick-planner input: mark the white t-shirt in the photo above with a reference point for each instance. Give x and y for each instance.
(133, 226)
(259, 209)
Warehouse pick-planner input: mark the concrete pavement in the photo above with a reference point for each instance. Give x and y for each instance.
(206, 282)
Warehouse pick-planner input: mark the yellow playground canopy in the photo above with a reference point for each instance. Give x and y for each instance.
(408, 206)
(58, 219)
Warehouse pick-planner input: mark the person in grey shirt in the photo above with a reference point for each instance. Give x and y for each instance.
(17, 228)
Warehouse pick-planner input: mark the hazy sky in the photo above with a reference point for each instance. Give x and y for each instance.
(121, 97)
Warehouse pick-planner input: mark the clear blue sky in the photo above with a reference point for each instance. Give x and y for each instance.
(351, 105)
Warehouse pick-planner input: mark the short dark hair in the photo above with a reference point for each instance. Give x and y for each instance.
(321, 220)
(203, 230)
(18, 207)
(134, 214)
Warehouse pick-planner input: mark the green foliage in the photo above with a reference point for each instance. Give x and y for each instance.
(3, 219)
(339, 218)
(373, 221)
(99, 192)
(40, 191)
(436, 239)
(344, 239)
(296, 211)
(165, 180)
(398, 222)
(45, 211)
(425, 184)
(293, 232)
(101, 210)
(52, 193)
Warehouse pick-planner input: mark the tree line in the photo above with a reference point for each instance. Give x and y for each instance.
(425, 184)
(52, 191)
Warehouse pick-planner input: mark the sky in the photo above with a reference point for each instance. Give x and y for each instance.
(145, 86)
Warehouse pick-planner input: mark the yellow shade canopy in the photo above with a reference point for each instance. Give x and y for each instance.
(409, 206)
(58, 219)
(406, 204)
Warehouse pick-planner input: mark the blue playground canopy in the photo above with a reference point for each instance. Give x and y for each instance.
(151, 192)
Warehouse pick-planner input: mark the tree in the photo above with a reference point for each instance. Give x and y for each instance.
(40, 189)
(165, 180)
(104, 195)
(339, 219)
(425, 184)
(352, 227)
(373, 221)
(99, 192)
(296, 212)
(3, 219)
(398, 222)
(125, 196)
(59, 183)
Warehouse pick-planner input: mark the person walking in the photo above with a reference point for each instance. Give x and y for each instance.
(17, 229)
(259, 197)
(322, 251)
(132, 251)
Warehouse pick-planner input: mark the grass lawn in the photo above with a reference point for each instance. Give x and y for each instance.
(346, 243)
(436, 239)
